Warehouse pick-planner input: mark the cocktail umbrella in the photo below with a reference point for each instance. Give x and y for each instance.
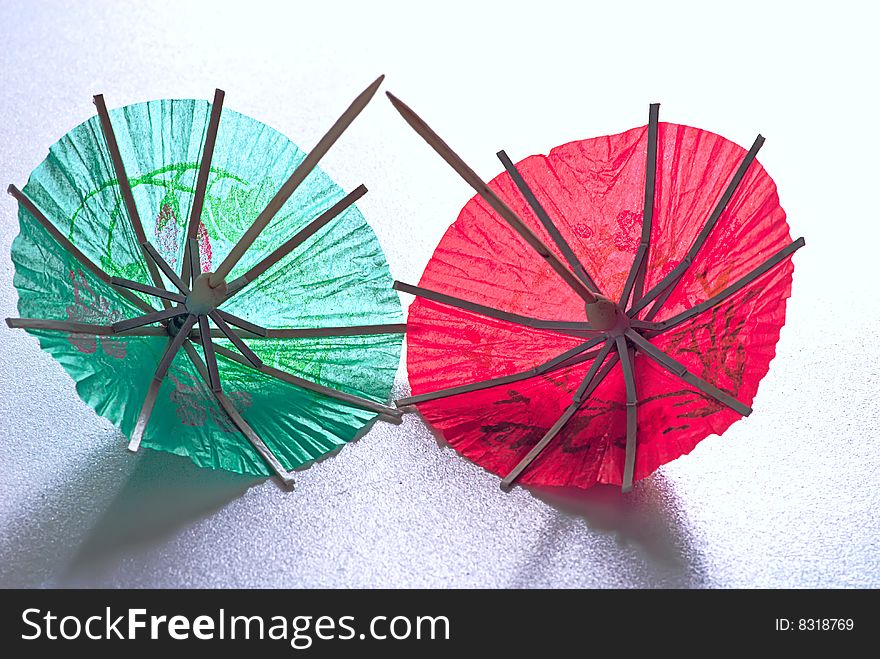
(209, 289)
(631, 312)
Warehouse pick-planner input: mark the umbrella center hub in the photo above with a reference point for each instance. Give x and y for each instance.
(204, 298)
(606, 316)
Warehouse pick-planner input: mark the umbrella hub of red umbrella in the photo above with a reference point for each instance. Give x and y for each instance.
(204, 298)
(607, 316)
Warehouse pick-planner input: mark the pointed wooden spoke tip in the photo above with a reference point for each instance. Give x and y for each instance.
(285, 477)
(60, 326)
(144, 416)
(305, 167)
(664, 288)
(202, 175)
(675, 367)
(491, 197)
(71, 249)
(730, 290)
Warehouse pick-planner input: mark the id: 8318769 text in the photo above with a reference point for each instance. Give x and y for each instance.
(814, 624)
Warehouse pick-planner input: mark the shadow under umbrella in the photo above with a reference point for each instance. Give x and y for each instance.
(163, 494)
(40, 542)
(650, 519)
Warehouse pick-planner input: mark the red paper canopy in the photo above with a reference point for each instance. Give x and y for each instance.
(594, 192)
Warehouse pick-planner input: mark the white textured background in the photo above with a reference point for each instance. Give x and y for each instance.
(788, 497)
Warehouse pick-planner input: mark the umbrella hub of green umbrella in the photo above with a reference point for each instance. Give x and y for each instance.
(204, 298)
(607, 316)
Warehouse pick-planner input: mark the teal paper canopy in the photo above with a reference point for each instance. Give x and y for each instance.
(337, 278)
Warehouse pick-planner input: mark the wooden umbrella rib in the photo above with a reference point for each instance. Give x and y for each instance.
(293, 333)
(210, 357)
(255, 361)
(145, 413)
(303, 333)
(564, 418)
(150, 318)
(632, 416)
(165, 268)
(174, 344)
(60, 326)
(677, 368)
(194, 264)
(633, 274)
(352, 330)
(149, 290)
(345, 397)
(489, 196)
(563, 327)
(238, 420)
(648, 209)
(71, 249)
(737, 286)
(610, 363)
(301, 236)
(242, 323)
(578, 359)
(119, 168)
(125, 185)
(202, 177)
(146, 331)
(82, 328)
(286, 477)
(541, 369)
(138, 329)
(298, 176)
(539, 210)
(635, 279)
(662, 290)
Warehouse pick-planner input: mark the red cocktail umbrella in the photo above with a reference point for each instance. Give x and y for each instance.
(631, 312)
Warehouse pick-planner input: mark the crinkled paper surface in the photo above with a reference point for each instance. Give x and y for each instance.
(338, 277)
(594, 190)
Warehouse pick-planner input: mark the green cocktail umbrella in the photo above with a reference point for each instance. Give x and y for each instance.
(210, 290)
